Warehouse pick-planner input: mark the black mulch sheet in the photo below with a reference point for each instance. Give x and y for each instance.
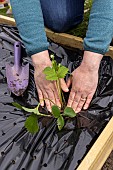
(49, 148)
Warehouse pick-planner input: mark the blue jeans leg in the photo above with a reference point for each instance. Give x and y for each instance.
(61, 15)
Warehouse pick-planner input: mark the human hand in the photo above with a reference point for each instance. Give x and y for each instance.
(84, 81)
(46, 89)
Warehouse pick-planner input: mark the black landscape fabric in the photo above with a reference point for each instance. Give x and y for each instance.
(49, 149)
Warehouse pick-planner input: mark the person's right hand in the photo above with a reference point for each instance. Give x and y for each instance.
(46, 89)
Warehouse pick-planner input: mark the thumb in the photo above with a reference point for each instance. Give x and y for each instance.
(69, 81)
(63, 85)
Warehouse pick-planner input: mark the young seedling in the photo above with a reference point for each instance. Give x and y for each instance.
(54, 73)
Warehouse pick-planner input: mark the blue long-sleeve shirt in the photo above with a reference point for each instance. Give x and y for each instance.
(29, 20)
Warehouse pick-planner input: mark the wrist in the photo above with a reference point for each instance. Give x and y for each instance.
(91, 60)
(41, 60)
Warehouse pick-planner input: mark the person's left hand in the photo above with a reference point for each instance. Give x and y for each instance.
(84, 82)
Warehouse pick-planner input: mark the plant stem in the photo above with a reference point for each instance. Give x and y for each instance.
(64, 102)
(44, 115)
(59, 92)
(50, 101)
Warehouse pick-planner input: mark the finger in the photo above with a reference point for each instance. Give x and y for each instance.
(47, 102)
(69, 81)
(80, 104)
(51, 96)
(41, 98)
(57, 99)
(89, 98)
(71, 98)
(63, 85)
(76, 101)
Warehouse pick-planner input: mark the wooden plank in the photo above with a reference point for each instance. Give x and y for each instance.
(100, 151)
(68, 40)
(7, 20)
(65, 39)
(60, 38)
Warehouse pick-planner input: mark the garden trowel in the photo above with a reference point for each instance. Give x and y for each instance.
(17, 75)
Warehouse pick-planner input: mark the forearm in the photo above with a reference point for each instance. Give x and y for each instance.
(100, 29)
(29, 20)
(91, 61)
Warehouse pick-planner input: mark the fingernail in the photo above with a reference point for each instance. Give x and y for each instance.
(42, 104)
(59, 106)
(85, 108)
(77, 111)
(67, 90)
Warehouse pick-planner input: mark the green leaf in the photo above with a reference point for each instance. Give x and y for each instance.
(62, 71)
(55, 111)
(31, 124)
(68, 111)
(17, 105)
(50, 73)
(60, 122)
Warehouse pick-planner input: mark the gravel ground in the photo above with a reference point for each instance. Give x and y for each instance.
(109, 163)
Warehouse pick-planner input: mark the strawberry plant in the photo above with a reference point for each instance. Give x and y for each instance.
(54, 73)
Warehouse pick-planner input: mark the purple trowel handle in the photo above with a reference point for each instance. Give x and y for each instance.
(17, 55)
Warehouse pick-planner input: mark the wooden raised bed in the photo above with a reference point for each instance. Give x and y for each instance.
(59, 38)
(103, 146)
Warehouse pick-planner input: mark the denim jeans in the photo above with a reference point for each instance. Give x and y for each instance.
(61, 15)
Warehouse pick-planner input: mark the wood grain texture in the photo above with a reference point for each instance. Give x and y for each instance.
(7, 20)
(63, 39)
(100, 151)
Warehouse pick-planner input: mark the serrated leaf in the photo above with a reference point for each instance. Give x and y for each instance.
(50, 73)
(51, 77)
(60, 122)
(68, 111)
(62, 71)
(31, 124)
(17, 105)
(55, 111)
